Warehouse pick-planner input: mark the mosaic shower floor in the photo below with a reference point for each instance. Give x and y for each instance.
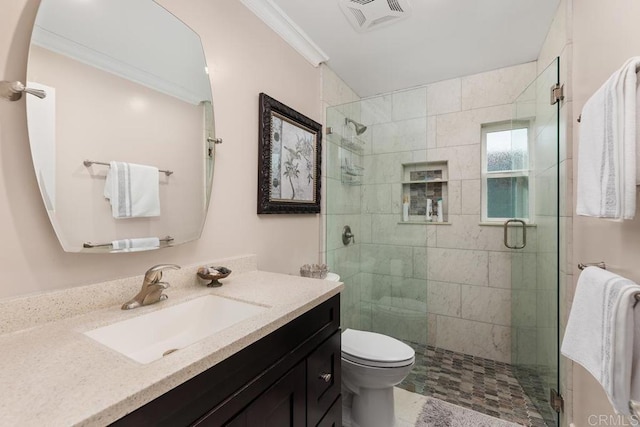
(483, 385)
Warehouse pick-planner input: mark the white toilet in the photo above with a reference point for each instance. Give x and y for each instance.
(372, 364)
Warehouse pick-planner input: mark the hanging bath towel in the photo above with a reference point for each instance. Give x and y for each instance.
(603, 334)
(607, 151)
(133, 190)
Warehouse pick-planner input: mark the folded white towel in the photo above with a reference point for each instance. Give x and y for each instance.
(607, 173)
(132, 245)
(603, 334)
(133, 190)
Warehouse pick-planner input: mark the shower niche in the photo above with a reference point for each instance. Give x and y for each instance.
(425, 192)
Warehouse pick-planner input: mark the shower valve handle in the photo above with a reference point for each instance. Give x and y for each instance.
(347, 236)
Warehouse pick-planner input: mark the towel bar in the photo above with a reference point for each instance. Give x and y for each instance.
(600, 264)
(88, 163)
(603, 266)
(89, 245)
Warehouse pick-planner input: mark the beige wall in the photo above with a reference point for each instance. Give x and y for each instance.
(605, 35)
(245, 58)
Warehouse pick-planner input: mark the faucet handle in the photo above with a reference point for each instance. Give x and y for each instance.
(154, 274)
(162, 285)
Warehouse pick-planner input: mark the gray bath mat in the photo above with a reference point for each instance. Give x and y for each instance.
(436, 413)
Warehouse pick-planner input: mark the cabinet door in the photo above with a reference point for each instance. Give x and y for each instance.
(283, 404)
(333, 418)
(323, 379)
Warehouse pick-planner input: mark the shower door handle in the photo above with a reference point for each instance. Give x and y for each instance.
(524, 234)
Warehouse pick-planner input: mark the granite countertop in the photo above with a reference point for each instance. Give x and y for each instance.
(54, 375)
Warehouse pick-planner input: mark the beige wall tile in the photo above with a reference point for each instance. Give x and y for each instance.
(496, 87)
(399, 323)
(490, 305)
(463, 161)
(444, 97)
(406, 135)
(458, 266)
(443, 298)
(454, 202)
(500, 270)
(376, 198)
(420, 262)
(475, 338)
(471, 196)
(465, 233)
(388, 229)
(386, 259)
(409, 104)
(376, 110)
(464, 127)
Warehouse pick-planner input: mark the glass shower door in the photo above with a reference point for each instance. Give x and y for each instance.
(376, 168)
(534, 262)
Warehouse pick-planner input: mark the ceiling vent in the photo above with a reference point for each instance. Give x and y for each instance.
(366, 15)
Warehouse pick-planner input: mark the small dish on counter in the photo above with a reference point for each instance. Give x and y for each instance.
(214, 274)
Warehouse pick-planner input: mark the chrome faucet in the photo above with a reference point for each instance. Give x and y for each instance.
(152, 287)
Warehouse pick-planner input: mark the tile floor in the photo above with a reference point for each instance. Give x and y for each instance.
(483, 385)
(407, 406)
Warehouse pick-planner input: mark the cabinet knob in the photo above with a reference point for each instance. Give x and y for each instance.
(325, 377)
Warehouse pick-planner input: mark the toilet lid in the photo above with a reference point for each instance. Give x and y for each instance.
(372, 349)
(333, 277)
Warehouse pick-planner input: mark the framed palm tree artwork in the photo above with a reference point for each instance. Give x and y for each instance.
(288, 160)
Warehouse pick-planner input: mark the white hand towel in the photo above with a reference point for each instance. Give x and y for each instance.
(133, 190)
(602, 334)
(132, 245)
(628, 94)
(607, 173)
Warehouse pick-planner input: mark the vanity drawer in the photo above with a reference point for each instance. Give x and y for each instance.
(323, 379)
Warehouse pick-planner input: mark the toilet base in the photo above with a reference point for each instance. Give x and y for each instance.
(373, 408)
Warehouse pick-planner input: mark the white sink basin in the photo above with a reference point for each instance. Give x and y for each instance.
(153, 335)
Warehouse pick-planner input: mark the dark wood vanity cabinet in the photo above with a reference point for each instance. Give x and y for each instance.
(290, 378)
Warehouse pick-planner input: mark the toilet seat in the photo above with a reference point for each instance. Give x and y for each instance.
(375, 350)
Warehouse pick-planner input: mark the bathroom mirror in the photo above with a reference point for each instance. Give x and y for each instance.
(126, 81)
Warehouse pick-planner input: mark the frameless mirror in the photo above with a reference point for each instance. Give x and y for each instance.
(126, 81)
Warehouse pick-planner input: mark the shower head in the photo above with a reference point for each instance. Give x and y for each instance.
(360, 128)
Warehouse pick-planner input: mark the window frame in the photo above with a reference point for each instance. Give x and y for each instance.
(527, 172)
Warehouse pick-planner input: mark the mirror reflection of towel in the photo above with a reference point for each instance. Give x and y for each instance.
(140, 244)
(133, 190)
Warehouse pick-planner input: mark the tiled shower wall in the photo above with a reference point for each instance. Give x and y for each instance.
(447, 285)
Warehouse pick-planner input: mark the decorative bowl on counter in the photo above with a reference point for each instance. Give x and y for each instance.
(316, 271)
(213, 274)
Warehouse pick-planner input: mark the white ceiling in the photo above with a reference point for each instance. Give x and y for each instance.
(441, 39)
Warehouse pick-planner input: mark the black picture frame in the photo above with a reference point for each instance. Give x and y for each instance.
(289, 160)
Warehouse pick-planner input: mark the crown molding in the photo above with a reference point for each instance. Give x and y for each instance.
(278, 21)
(94, 58)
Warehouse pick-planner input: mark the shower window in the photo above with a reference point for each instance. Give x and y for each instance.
(505, 172)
